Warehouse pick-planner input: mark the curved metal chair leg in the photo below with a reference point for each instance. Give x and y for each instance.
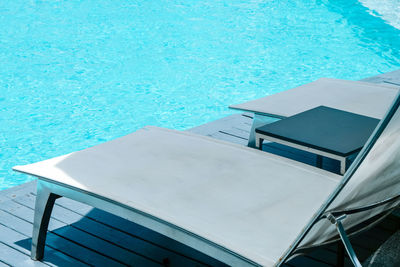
(43, 207)
(343, 236)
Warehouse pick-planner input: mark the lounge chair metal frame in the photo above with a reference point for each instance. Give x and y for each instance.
(48, 191)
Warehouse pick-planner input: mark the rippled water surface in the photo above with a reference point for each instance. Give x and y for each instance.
(77, 73)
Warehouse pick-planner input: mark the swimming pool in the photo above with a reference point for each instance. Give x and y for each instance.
(77, 73)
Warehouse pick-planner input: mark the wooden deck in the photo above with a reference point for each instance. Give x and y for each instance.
(80, 235)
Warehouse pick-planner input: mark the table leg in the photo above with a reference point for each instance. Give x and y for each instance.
(319, 161)
(259, 144)
(342, 166)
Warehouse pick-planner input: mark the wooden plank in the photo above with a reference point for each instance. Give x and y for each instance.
(64, 218)
(21, 222)
(13, 257)
(22, 244)
(358, 244)
(128, 243)
(236, 134)
(150, 241)
(137, 231)
(18, 190)
(244, 128)
(105, 248)
(215, 126)
(314, 256)
(392, 78)
(135, 244)
(240, 133)
(229, 138)
(68, 248)
(76, 250)
(248, 115)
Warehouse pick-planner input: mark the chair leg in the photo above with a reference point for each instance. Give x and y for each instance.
(318, 163)
(343, 236)
(43, 207)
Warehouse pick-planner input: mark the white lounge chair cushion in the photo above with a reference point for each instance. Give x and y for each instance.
(251, 202)
(362, 98)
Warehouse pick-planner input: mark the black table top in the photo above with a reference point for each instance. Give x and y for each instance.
(326, 129)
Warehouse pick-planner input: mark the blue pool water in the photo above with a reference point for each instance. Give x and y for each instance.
(77, 73)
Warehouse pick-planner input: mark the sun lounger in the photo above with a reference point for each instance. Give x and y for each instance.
(362, 98)
(236, 204)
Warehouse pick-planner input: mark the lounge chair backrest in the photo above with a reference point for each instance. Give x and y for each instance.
(370, 187)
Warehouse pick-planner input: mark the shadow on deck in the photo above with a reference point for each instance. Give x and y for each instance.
(80, 235)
